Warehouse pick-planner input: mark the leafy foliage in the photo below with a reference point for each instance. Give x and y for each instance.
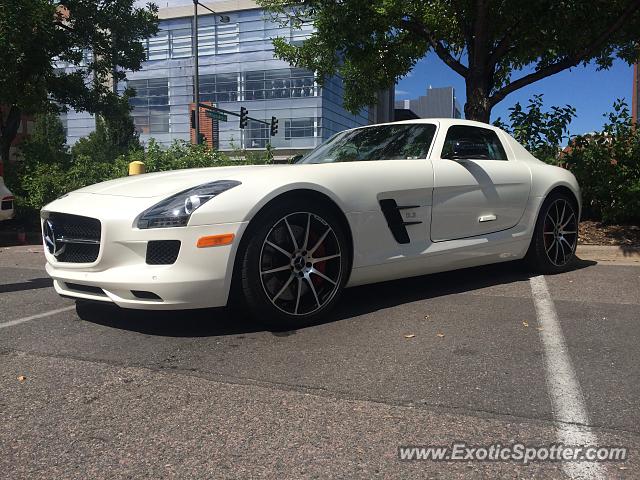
(543, 133)
(607, 166)
(372, 43)
(49, 169)
(38, 35)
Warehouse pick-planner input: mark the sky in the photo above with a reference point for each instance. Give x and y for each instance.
(591, 92)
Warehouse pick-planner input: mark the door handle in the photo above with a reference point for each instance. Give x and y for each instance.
(486, 218)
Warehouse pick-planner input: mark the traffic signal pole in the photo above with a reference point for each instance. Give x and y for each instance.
(196, 77)
(229, 112)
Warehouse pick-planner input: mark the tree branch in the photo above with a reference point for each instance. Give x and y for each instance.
(63, 25)
(503, 46)
(570, 61)
(442, 52)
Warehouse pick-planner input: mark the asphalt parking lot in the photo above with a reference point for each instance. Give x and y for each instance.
(91, 391)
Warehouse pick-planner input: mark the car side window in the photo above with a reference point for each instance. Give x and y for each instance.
(465, 142)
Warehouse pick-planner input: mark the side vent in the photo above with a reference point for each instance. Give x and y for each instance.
(398, 227)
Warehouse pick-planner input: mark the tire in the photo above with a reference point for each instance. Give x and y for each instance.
(555, 237)
(295, 264)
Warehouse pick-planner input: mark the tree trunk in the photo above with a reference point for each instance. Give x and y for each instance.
(8, 131)
(478, 106)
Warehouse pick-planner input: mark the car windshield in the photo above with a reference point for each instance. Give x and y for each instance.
(382, 142)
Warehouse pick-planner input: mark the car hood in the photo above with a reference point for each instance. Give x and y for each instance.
(162, 184)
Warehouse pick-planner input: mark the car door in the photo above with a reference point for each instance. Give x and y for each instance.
(383, 176)
(479, 188)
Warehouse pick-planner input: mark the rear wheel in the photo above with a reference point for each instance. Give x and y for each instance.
(295, 264)
(555, 237)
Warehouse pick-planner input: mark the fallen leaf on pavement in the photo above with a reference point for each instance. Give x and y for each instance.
(525, 324)
(441, 335)
(409, 336)
(540, 329)
(21, 378)
(426, 317)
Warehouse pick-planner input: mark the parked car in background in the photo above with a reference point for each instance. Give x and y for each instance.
(7, 208)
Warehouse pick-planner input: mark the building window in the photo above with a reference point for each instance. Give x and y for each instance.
(222, 87)
(158, 47)
(299, 35)
(215, 37)
(299, 128)
(256, 135)
(302, 83)
(228, 37)
(281, 83)
(150, 105)
(206, 40)
(180, 42)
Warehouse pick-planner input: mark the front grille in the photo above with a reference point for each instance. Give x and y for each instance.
(162, 252)
(6, 205)
(72, 238)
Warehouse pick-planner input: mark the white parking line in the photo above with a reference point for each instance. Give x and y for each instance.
(34, 317)
(564, 389)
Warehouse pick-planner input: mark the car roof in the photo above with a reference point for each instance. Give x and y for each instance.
(444, 122)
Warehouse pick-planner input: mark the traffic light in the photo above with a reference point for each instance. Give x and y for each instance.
(244, 117)
(274, 126)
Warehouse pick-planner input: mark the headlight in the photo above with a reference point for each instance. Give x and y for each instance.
(176, 210)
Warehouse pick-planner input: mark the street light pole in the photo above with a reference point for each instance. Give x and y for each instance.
(196, 77)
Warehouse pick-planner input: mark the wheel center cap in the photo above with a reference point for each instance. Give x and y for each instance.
(298, 263)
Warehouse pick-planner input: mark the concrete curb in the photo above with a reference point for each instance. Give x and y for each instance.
(620, 255)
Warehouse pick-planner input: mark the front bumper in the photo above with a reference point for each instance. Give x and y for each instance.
(199, 278)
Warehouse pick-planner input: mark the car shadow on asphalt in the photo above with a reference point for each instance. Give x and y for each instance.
(174, 323)
(31, 284)
(354, 302)
(369, 298)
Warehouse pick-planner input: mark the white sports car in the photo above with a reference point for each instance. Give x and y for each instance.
(374, 203)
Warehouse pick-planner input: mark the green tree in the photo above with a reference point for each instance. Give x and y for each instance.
(607, 167)
(98, 40)
(372, 43)
(541, 132)
(47, 142)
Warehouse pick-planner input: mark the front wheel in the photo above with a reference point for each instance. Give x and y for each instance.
(555, 237)
(295, 264)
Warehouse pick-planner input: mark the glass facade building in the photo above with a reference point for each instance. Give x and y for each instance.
(237, 68)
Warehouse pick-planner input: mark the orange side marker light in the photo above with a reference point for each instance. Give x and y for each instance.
(215, 240)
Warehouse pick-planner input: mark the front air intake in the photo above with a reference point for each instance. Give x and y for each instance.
(162, 252)
(144, 295)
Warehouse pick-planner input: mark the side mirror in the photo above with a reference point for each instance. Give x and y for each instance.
(296, 158)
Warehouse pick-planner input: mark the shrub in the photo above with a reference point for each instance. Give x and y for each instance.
(607, 166)
(541, 132)
(181, 154)
(606, 163)
(49, 169)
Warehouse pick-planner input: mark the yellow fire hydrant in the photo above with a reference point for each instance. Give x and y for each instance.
(136, 167)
